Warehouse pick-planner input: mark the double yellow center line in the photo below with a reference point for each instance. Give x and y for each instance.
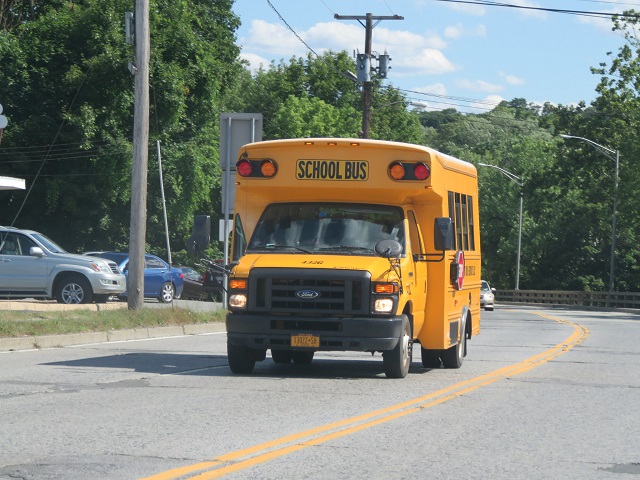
(245, 458)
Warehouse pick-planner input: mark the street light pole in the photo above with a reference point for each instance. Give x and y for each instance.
(607, 152)
(518, 181)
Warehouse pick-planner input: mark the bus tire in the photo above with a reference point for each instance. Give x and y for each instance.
(430, 358)
(397, 361)
(302, 358)
(240, 358)
(453, 357)
(281, 356)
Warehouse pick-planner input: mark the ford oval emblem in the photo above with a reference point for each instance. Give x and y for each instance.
(307, 294)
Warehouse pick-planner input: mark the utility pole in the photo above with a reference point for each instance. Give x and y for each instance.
(138, 225)
(366, 90)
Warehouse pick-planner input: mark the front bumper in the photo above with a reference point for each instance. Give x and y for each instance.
(108, 284)
(358, 334)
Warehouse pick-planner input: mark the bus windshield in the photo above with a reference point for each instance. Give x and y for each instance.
(327, 228)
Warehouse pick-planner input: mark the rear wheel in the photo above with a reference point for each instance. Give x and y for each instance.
(397, 361)
(73, 289)
(281, 356)
(240, 358)
(453, 357)
(167, 293)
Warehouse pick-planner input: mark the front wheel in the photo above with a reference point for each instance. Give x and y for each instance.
(240, 358)
(73, 289)
(397, 361)
(167, 293)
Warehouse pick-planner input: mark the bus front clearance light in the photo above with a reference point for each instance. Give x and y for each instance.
(237, 284)
(388, 288)
(383, 305)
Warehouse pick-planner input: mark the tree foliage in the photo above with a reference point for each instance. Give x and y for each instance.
(69, 98)
(67, 89)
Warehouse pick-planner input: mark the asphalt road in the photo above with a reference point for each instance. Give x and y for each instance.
(543, 394)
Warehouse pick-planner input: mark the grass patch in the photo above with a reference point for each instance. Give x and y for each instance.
(19, 324)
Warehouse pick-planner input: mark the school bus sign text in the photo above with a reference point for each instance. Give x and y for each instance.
(332, 170)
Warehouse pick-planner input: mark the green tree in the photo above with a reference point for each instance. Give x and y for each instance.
(68, 90)
(312, 117)
(616, 124)
(310, 80)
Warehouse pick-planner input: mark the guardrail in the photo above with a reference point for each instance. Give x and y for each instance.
(585, 299)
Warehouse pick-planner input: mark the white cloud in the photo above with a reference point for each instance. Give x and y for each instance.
(479, 86)
(335, 36)
(420, 54)
(273, 39)
(436, 88)
(512, 79)
(428, 62)
(490, 102)
(255, 61)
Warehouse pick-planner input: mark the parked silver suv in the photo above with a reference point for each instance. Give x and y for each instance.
(32, 265)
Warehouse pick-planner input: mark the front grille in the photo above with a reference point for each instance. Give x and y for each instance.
(113, 267)
(338, 292)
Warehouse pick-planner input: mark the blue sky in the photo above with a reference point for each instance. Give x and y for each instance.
(458, 55)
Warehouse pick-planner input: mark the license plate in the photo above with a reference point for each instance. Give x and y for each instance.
(305, 340)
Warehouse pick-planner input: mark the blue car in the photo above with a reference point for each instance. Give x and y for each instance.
(160, 281)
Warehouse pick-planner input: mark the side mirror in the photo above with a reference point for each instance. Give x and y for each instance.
(36, 252)
(197, 243)
(388, 248)
(443, 233)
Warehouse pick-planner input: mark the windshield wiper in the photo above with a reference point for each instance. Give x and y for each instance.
(346, 247)
(271, 246)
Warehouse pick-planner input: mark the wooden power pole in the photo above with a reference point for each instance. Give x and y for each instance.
(366, 88)
(138, 227)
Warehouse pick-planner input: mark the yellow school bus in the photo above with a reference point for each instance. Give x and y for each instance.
(353, 245)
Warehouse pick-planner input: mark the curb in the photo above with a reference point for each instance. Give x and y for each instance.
(70, 339)
(47, 306)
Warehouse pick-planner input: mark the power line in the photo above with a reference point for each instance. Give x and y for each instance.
(541, 9)
(291, 29)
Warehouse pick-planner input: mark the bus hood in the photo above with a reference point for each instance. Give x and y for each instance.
(378, 267)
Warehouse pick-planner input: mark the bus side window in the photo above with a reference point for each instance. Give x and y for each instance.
(239, 239)
(452, 214)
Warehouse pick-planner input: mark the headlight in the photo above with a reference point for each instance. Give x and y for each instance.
(100, 266)
(383, 305)
(238, 301)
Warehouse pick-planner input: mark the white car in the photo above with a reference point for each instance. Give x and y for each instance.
(487, 296)
(33, 266)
